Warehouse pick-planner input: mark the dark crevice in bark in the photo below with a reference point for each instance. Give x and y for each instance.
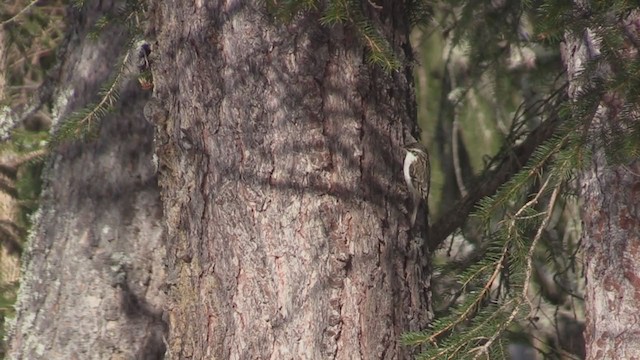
(137, 309)
(301, 201)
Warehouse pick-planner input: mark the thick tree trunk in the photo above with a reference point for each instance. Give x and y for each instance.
(612, 248)
(93, 273)
(280, 168)
(611, 233)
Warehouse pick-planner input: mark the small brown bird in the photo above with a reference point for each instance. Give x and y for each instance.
(417, 174)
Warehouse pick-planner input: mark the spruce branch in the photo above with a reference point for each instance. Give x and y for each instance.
(476, 321)
(484, 349)
(350, 12)
(511, 189)
(80, 123)
(490, 182)
(477, 303)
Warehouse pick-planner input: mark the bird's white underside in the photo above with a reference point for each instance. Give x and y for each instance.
(408, 160)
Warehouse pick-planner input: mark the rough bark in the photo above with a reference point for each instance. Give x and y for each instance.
(280, 168)
(611, 227)
(611, 238)
(93, 272)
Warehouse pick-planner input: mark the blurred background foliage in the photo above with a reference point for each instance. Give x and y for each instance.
(487, 74)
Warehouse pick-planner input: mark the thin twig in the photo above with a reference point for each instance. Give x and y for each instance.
(14, 17)
(630, 171)
(455, 135)
(456, 156)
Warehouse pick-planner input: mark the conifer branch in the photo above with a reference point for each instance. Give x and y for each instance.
(493, 179)
(471, 308)
(498, 266)
(80, 122)
(484, 349)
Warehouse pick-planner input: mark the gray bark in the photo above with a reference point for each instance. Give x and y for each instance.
(280, 168)
(611, 225)
(93, 272)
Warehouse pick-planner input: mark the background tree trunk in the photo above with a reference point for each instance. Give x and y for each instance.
(612, 248)
(281, 182)
(91, 285)
(611, 226)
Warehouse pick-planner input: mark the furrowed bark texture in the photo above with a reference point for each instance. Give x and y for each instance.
(93, 273)
(611, 213)
(611, 227)
(281, 179)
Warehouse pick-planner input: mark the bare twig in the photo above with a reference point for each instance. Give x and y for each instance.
(23, 10)
(456, 156)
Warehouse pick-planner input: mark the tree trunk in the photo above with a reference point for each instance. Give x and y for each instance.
(611, 233)
(612, 247)
(280, 168)
(93, 273)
